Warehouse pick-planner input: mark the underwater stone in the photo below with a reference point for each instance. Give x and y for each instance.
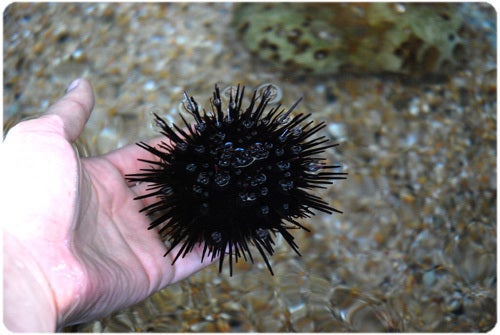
(412, 39)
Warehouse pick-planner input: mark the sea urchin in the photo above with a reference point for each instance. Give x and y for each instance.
(235, 178)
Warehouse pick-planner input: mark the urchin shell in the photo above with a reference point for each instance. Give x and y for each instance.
(235, 179)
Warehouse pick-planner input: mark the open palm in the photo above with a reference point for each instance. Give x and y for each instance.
(75, 221)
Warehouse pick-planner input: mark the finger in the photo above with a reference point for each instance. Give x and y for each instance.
(74, 108)
(191, 263)
(126, 159)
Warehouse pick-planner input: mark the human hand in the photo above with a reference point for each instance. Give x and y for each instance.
(75, 245)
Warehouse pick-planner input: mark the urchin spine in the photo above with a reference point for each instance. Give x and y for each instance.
(235, 177)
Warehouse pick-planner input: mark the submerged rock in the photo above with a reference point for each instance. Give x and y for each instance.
(415, 39)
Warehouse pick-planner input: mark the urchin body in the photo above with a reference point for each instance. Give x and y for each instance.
(235, 178)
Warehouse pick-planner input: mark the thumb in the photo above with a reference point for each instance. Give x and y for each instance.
(74, 108)
(66, 117)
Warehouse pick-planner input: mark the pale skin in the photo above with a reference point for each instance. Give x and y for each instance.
(76, 247)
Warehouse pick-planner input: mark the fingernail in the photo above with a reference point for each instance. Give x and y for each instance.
(73, 85)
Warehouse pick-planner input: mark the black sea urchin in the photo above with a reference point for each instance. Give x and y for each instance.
(235, 178)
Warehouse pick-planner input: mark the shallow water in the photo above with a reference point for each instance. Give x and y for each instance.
(415, 249)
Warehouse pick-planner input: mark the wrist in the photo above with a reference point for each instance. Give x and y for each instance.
(28, 300)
